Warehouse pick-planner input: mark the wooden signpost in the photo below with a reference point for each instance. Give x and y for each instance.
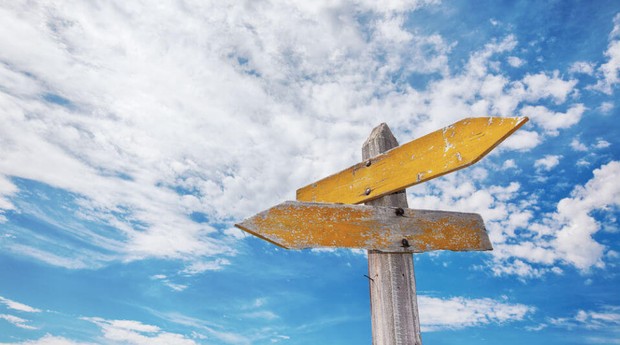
(325, 215)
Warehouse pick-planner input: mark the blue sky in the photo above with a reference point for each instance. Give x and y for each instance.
(133, 136)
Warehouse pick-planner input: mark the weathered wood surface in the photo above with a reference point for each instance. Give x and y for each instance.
(451, 148)
(393, 300)
(297, 225)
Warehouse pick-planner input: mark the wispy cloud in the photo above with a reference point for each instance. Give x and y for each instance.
(609, 70)
(17, 321)
(49, 339)
(18, 306)
(438, 314)
(261, 314)
(607, 318)
(137, 333)
(204, 266)
(166, 281)
(205, 326)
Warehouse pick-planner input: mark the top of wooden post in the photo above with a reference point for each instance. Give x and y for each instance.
(380, 140)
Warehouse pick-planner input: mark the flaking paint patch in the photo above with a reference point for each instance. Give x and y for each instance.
(447, 145)
(296, 225)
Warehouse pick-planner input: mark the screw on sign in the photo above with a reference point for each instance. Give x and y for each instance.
(325, 214)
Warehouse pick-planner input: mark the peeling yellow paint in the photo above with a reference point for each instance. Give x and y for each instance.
(408, 164)
(296, 225)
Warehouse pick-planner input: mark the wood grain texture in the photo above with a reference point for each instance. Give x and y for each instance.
(393, 299)
(451, 148)
(299, 225)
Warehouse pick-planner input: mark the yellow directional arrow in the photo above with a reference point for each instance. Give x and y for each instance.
(454, 147)
(296, 225)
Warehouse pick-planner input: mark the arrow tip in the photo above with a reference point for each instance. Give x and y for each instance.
(249, 227)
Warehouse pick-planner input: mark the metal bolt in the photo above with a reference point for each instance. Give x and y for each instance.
(367, 191)
(368, 163)
(400, 212)
(405, 243)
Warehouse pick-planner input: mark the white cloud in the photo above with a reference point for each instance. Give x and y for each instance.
(566, 235)
(261, 314)
(608, 318)
(164, 279)
(227, 337)
(49, 339)
(279, 338)
(548, 162)
(7, 189)
(515, 61)
(609, 70)
(582, 163)
(163, 128)
(203, 266)
(522, 140)
(17, 321)
(536, 328)
(552, 121)
(542, 244)
(577, 145)
(136, 333)
(602, 340)
(509, 164)
(602, 144)
(18, 306)
(582, 67)
(606, 107)
(456, 313)
(574, 240)
(521, 268)
(391, 5)
(541, 85)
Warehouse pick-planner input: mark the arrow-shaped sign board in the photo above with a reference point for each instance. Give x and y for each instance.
(438, 153)
(297, 225)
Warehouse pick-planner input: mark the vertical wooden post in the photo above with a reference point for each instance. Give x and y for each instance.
(393, 300)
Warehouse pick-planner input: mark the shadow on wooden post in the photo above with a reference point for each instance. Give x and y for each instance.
(393, 300)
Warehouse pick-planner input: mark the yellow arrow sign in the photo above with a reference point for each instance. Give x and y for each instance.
(296, 225)
(454, 147)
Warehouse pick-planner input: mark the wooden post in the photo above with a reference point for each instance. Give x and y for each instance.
(393, 301)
